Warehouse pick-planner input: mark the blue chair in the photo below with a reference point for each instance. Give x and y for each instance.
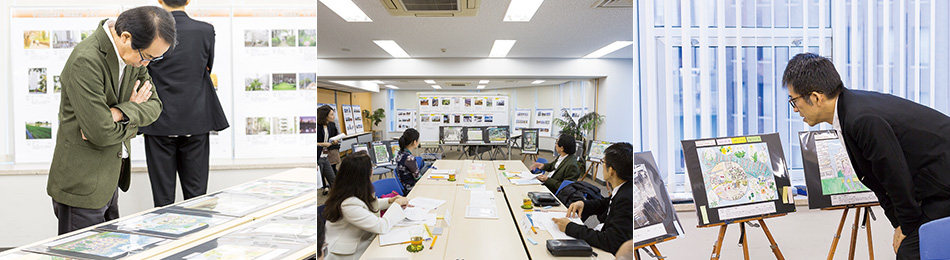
(933, 239)
(419, 163)
(563, 184)
(538, 170)
(387, 186)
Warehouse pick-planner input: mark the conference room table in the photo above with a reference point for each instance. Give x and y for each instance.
(174, 246)
(477, 238)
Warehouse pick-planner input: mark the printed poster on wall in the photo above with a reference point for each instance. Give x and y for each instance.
(348, 119)
(274, 50)
(405, 119)
(357, 119)
(543, 120)
(522, 120)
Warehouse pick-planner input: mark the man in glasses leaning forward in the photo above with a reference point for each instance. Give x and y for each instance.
(899, 149)
(107, 94)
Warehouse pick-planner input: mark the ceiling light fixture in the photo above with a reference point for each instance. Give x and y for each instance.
(537, 81)
(392, 48)
(392, 87)
(347, 10)
(612, 47)
(436, 87)
(501, 48)
(484, 81)
(429, 81)
(480, 86)
(522, 10)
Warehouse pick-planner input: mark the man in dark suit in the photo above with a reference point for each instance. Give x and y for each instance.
(178, 140)
(618, 225)
(101, 109)
(564, 167)
(899, 149)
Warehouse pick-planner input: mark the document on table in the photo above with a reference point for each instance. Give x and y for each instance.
(399, 235)
(477, 211)
(426, 203)
(532, 181)
(544, 219)
(440, 174)
(482, 198)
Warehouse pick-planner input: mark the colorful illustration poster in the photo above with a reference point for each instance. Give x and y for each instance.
(597, 150)
(168, 223)
(827, 168)
(105, 244)
(544, 121)
(737, 174)
(274, 188)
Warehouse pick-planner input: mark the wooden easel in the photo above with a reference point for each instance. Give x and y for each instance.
(652, 245)
(534, 157)
(594, 166)
(745, 242)
(854, 229)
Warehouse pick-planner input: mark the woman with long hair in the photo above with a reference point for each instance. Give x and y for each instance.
(352, 210)
(328, 151)
(407, 170)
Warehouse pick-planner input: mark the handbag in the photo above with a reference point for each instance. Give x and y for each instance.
(569, 247)
(542, 199)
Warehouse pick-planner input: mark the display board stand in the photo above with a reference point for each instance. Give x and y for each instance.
(533, 157)
(745, 244)
(654, 252)
(592, 169)
(854, 229)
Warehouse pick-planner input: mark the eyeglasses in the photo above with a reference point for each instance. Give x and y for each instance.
(791, 101)
(152, 59)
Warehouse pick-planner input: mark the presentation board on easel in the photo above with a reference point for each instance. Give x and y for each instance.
(829, 176)
(460, 109)
(738, 177)
(654, 217)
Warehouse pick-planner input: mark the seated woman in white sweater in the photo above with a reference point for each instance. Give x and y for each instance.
(352, 210)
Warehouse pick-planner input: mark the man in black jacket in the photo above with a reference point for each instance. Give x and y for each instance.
(178, 140)
(900, 149)
(618, 225)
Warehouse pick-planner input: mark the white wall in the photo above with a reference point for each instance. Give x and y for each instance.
(6, 92)
(29, 211)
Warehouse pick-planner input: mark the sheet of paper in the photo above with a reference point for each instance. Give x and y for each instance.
(532, 181)
(544, 219)
(403, 234)
(475, 211)
(426, 203)
(474, 186)
(482, 198)
(430, 219)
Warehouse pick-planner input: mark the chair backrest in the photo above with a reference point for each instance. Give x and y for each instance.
(563, 183)
(542, 161)
(419, 163)
(933, 239)
(386, 186)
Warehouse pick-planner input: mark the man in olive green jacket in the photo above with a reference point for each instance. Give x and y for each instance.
(565, 166)
(106, 96)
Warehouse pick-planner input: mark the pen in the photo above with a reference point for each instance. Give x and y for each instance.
(433, 242)
(427, 229)
(532, 224)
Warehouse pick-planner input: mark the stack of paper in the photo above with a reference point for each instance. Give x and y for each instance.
(475, 211)
(482, 198)
(426, 203)
(399, 235)
(545, 219)
(417, 216)
(440, 174)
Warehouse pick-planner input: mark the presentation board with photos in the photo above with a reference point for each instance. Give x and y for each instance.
(348, 123)
(544, 122)
(473, 135)
(273, 50)
(654, 218)
(380, 152)
(357, 119)
(459, 109)
(450, 134)
(529, 140)
(497, 134)
(405, 119)
(738, 177)
(522, 121)
(597, 149)
(829, 176)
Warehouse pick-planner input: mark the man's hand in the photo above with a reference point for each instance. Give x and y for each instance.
(542, 177)
(83, 135)
(898, 237)
(141, 95)
(561, 223)
(116, 114)
(536, 165)
(576, 209)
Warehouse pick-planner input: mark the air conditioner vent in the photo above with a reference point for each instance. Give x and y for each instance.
(432, 8)
(457, 84)
(613, 4)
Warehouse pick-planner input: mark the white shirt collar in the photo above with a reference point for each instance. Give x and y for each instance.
(105, 26)
(834, 122)
(613, 193)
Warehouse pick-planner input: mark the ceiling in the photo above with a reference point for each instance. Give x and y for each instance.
(471, 84)
(559, 29)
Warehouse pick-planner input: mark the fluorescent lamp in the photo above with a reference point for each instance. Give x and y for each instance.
(392, 87)
(429, 81)
(347, 10)
(380, 82)
(608, 49)
(480, 86)
(392, 48)
(537, 81)
(436, 87)
(501, 48)
(484, 81)
(522, 10)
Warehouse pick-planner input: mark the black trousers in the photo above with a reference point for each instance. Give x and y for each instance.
(910, 246)
(71, 218)
(188, 156)
(327, 171)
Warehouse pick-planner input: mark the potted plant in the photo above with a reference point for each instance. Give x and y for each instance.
(579, 129)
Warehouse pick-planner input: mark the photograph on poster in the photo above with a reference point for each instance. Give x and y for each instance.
(84, 33)
(467, 118)
(468, 102)
(479, 102)
(445, 118)
(39, 130)
(308, 38)
(308, 124)
(446, 102)
(283, 38)
(436, 118)
(57, 85)
(458, 118)
(479, 119)
(285, 81)
(308, 81)
(498, 134)
(256, 38)
(435, 102)
(257, 82)
(424, 102)
(488, 102)
(258, 126)
(65, 39)
(425, 119)
(500, 102)
(37, 80)
(451, 134)
(347, 110)
(35, 40)
(489, 119)
(285, 125)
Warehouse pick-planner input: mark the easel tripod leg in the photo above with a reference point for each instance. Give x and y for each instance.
(867, 225)
(775, 250)
(718, 246)
(745, 242)
(656, 252)
(834, 242)
(854, 233)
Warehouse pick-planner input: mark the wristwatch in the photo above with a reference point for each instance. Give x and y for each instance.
(125, 119)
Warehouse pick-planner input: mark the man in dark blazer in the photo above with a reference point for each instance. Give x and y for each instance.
(899, 149)
(178, 140)
(565, 166)
(106, 96)
(618, 225)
